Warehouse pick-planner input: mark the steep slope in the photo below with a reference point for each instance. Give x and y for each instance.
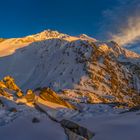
(82, 68)
(32, 65)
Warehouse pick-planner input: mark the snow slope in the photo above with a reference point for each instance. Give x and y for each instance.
(19, 126)
(41, 131)
(122, 127)
(33, 64)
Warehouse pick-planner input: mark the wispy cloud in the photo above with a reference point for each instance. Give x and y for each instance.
(122, 23)
(130, 33)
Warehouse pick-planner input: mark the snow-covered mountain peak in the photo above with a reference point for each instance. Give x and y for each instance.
(9, 46)
(75, 64)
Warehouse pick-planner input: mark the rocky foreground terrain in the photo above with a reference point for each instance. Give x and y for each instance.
(58, 86)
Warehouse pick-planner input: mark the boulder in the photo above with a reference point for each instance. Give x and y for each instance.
(76, 128)
(13, 109)
(35, 120)
(73, 136)
(19, 94)
(30, 96)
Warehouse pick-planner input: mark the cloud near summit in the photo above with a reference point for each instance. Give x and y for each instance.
(122, 22)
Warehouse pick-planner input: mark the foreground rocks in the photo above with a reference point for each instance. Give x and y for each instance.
(75, 131)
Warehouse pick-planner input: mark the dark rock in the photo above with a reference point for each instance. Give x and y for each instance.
(73, 136)
(76, 128)
(35, 120)
(1, 103)
(13, 110)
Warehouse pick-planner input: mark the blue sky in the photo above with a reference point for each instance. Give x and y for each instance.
(22, 17)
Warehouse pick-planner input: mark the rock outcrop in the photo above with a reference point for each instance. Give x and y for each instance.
(30, 96)
(51, 96)
(9, 87)
(75, 131)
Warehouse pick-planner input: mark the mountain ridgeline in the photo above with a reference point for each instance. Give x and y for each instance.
(78, 68)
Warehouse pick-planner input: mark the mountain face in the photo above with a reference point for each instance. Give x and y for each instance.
(80, 68)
